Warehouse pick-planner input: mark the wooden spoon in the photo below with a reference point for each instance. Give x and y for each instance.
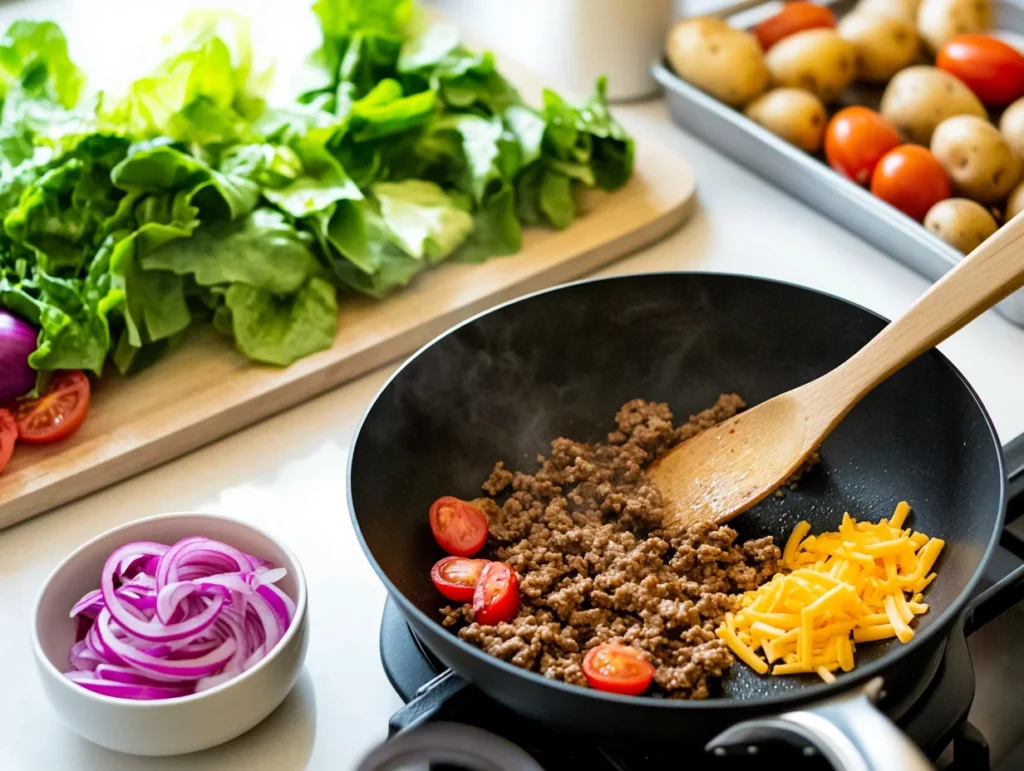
(725, 470)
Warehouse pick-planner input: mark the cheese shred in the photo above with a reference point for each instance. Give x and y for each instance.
(860, 584)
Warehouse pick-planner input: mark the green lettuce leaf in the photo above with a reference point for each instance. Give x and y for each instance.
(361, 251)
(268, 165)
(161, 168)
(323, 182)
(58, 216)
(556, 199)
(422, 219)
(200, 94)
(34, 58)
(281, 330)
(341, 20)
(262, 250)
(588, 134)
(496, 229)
(462, 78)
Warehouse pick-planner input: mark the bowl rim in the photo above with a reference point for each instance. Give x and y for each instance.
(293, 629)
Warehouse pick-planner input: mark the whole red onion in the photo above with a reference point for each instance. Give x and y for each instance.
(17, 342)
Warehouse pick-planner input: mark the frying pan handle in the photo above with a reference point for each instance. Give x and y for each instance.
(849, 731)
(454, 744)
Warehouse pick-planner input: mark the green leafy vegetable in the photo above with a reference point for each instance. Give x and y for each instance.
(280, 330)
(421, 219)
(34, 58)
(126, 219)
(262, 250)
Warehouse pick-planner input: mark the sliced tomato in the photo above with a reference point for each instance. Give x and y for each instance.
(617, 669)
(8, 436)
(794, 17)
(460, 528)
(992, 69)
(496, 597)
(456, 577)
(58, 413)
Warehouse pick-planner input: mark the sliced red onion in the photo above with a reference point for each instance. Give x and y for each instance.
(171, 596)
(125, 690)
(172, 620)
(133, 553)
(282, 604)
(263, 577)
(180, 669)
(89, 605)
(124, 675)
(199, 551)
(152, 630)
(83, 657)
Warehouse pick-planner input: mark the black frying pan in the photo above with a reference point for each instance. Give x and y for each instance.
(561, 362)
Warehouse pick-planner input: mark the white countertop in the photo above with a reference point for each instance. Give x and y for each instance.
(287, 474)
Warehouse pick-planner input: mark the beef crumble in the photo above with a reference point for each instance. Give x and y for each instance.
(583, 534)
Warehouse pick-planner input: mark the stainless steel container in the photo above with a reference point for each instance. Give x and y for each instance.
(810, 179)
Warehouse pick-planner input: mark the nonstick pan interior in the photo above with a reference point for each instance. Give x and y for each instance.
(560, 363)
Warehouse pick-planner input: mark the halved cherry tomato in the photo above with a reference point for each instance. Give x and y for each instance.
(496, 597)
(460, 528)
(855, 141)
(794, 17)
(993, 70)
(58, 413)
(8, 436)
(617, 669)
(456, 577)
(911, 179)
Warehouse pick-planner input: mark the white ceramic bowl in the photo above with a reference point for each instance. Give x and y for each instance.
(173, 726)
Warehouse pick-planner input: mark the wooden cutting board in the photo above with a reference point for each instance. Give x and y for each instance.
(206, 390)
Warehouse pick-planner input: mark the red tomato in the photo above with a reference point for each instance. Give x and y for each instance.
(8, 436)
(58, 413)
(993, 70)
(617, 669)
(456, 577)
(794, 17)
(911, 179)
(496, 597)
(856, 139)
(460, 528)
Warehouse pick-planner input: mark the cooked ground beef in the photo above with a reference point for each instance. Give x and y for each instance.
(583, 534)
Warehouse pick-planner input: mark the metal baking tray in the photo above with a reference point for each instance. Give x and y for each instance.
(809, 178)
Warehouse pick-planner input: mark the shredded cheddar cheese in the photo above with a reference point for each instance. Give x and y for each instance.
(860, 584)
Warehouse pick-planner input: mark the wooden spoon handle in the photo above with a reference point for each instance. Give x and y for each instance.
(987, 275)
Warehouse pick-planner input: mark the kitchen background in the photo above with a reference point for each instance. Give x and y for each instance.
(285, 473)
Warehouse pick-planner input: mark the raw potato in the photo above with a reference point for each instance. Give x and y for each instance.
(918, 99)
(721, 60)
(883, 45)
(792, 114)
(816, 60)
(976, 157)
(904, 10)
(1012, 127)
(1015, 203)
(960, 223)
(939, 20)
